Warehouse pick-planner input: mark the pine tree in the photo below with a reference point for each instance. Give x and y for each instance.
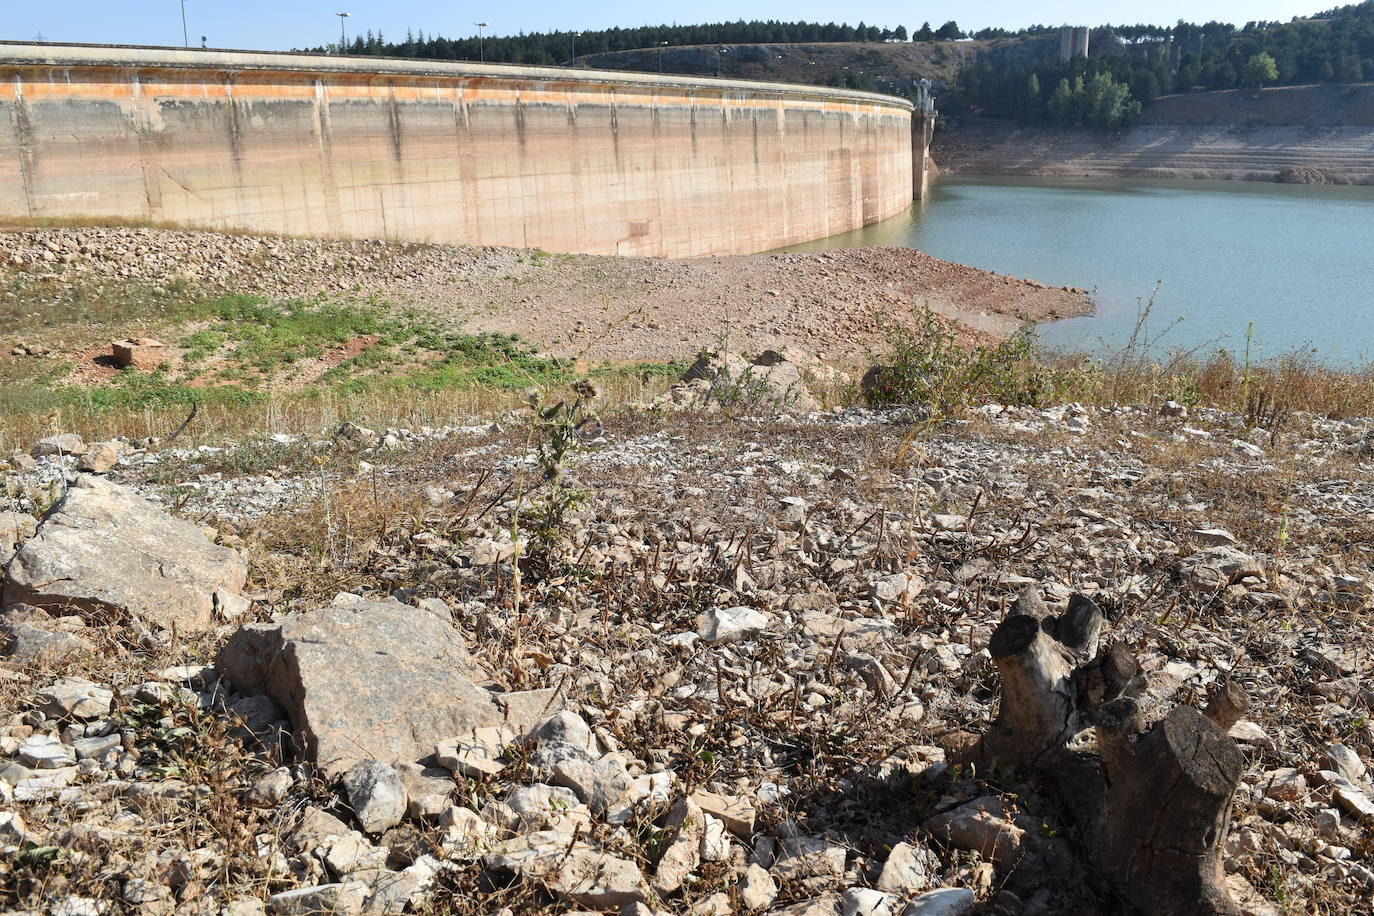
(1061, 105)
(1034, 103)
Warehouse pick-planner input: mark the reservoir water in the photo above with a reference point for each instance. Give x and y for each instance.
(1297, 261)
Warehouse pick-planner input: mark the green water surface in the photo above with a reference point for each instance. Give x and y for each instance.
(1296, 261)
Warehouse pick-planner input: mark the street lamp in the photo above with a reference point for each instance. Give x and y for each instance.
(573, 62)
(661, 46)
(343, 32)
(185, 39)
(481, 47)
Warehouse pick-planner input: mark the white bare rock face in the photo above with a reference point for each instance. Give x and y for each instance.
(61, 444)
(1214, 568)
(376, 795)
(76, 697)
(731, 624)
(369, 679)
(578, 870)
(104, 548)
(945, 901)
(908, 869)
(864, 901)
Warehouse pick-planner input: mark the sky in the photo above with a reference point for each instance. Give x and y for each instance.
(284, 24)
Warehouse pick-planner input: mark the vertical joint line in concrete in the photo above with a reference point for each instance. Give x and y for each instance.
(324, 134)
(147, 155)
(23, 132)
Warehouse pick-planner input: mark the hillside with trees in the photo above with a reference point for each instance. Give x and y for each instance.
(999, 73)
(551, 48)
(1333, 46)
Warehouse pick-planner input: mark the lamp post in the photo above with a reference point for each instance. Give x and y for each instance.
(661, 46)
(573, 61)
(481, 39)
(343, 32)
(185, 39)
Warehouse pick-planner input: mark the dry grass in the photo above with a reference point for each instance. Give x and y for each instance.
(20, 223)
(218, 423)
(1291, 383)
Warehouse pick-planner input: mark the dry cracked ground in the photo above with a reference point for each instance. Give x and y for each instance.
(715, 665)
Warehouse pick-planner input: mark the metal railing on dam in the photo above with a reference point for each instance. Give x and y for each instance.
(563, 159)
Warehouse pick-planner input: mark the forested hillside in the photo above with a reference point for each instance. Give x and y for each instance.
(1130, 66)
(543, 48)
(1002, 74)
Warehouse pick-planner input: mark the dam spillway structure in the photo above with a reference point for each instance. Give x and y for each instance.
(461, 153)
(1073, 41)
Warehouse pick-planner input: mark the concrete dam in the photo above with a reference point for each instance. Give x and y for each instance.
(567, 160)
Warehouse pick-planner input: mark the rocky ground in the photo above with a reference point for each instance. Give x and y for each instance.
(723, 676)
(830, 304)
(1321, 134)
(1293, 154)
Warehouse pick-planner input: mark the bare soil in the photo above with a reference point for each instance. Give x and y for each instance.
(832, 304)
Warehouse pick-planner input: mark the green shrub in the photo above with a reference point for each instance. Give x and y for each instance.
(928, 369)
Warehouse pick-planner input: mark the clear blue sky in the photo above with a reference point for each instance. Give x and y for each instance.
(278, 25)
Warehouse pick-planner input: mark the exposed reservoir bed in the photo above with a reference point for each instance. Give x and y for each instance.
(1296, 260)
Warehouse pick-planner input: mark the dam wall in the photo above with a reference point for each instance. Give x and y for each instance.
(561, 159)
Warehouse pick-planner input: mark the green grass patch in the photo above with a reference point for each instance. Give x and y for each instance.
(269, 336)
(203, 344)
(498, 361)
(132, 390)
(240, 353)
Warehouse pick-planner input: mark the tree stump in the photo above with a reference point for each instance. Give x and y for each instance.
(1149, 788)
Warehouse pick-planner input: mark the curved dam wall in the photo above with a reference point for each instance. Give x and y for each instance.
(567, 160)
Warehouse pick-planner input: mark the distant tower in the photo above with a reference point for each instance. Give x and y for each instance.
(925, 102)
(1073, 42)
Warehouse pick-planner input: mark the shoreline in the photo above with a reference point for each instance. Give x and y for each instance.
(1288, 155)
(1320, 134)
(832, 304)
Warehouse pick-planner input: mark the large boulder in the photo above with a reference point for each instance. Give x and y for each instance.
(104, 549)
(58, 445)
(771, 380)
(373, 680)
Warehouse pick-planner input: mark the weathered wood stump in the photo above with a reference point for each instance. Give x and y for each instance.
(1148, 787)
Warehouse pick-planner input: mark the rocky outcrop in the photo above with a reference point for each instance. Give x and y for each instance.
(368, 679)
(726, 380)
(104, 549)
